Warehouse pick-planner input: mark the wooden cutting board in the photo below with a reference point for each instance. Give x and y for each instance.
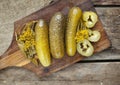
(14, 57)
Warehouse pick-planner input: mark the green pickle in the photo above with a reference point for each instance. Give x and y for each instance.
(56, 35)
(74, 16)
(42, 44)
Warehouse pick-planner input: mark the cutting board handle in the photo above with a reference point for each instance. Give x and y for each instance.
(15, 59)
(2, 63)
(13, 56)
(7, 57)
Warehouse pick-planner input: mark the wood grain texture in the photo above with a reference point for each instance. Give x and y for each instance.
(78, 74)
(9, 59)
(102, 2)
(87, 72)
(106, 2)
(106, 82)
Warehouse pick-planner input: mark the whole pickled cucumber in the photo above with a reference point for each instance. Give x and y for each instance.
(56, 35)
(42, 44)
(73, 20)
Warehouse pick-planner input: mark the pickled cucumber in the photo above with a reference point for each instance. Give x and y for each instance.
(73, 20)
(42, 44)
(56, 35)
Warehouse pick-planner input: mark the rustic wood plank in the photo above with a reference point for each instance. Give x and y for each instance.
(88, 71)
(106, 82)
(106, 2)
(110, 19)
(101, 2)
(83, 73)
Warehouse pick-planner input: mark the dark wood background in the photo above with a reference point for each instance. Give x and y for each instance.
(101, 69)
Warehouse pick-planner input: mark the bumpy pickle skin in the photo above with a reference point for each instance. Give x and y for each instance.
(56, 35)
(73, 19)
(42, 44)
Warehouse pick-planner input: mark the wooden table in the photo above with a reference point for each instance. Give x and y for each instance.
(100, 69)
